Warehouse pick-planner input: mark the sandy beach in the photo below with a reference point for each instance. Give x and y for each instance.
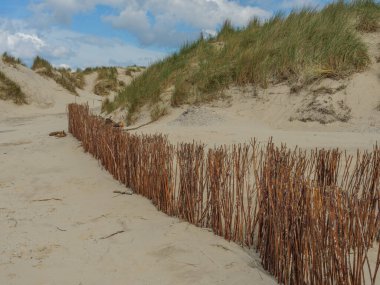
(58, 207)
(58, 212)
(62, 223)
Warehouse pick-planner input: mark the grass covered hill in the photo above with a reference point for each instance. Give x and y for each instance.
(64, 77)
(108, 78)
(301, 47)
(107, 81)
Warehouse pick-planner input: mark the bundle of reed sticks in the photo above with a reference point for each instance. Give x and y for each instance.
(313, 216)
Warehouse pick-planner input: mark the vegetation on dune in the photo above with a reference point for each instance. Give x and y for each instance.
(69, 80)
(78, 78)
(306, 45)
(367, 15)
(133, 69)
(11, 60)
(42, 66)
(107, 81)
(10, 90)
(89, 70)
(157, 112)
(63, 76)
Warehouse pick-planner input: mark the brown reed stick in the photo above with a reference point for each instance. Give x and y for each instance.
(312, 216)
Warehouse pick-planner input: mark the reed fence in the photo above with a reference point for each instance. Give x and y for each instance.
(313, 216)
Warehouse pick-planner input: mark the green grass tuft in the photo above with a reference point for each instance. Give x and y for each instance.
(10, 90)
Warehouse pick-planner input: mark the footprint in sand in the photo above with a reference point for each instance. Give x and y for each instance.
(41, 253)
(168, 251)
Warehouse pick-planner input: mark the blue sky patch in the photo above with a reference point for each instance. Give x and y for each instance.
(120, 32)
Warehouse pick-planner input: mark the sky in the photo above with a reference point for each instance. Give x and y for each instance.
(83, 33)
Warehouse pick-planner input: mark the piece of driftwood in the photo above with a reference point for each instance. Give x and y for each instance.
(109, 121)
(111, 235)
(48, 199)
(127, 192)
(62, 230)
(58, 134)
(138, 127)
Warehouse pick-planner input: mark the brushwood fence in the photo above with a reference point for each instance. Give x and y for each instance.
(312, 216)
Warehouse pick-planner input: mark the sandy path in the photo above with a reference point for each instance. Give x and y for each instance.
(60, 241)
(217, 126)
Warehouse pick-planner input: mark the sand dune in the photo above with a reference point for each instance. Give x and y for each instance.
(328, 113)
(58, 210)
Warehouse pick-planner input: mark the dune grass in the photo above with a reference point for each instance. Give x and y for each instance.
(11, 60)
(301, 47)
(129, 71)
(10, 90)
(367, 13)
(64, 77)
(69, 80)
(157, 112)
(42, 66)
(107, 81)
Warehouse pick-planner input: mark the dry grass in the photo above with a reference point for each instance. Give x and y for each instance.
(10, 90)
(129, 72)
(133, 69)
(64, 77)
(302, 47)
(158, 111)
(43, 67)
(107, 81)
(11, 60)
(367, 16)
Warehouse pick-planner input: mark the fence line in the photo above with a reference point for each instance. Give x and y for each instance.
(312, 216)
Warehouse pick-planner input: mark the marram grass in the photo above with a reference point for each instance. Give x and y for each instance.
(303, 46)
(10, 90)
(64, 77)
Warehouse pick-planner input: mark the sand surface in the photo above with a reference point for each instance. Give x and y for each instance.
(58, 209)
(61, 241)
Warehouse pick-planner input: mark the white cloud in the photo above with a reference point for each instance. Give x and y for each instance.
(63, 65)
(59, 10)
(155, 22)
(298, 3)
(207, 33)
(276, 5)
(74, 49)
(167, 24)
(21, 42)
